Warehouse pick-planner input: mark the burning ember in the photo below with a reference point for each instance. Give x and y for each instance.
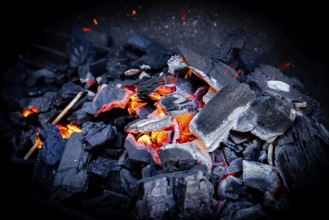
(87, 30)
(95, 21)
(27, 112)
(38, 141)
(67, 130)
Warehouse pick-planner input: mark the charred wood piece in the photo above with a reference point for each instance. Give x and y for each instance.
(96, 135)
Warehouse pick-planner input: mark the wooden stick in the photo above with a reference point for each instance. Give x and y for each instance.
(57, 119)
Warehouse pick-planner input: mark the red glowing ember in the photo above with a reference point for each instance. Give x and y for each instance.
(95, 21)
(183, 14)
(86, 30)
(30, 111)
(285, 66)
(133, 12)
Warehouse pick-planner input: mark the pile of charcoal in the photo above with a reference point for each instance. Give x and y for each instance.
(141, 131)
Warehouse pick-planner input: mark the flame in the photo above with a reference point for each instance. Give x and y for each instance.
(38, 140)
(135, 104)
(86, 30)
(30, 111)
(95, 21)
(165, 89)
(67, 130)
(154, 139)
(184, 127)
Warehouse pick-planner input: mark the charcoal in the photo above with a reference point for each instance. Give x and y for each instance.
(137, 152)
(218, 75)
(235, 166)
(301, 160)
(231, 188)
(237, 148)
(148, 125)
(184, 194)
(69, 90)
(17, 119)
(53, 144)
(96, 135)
(267, 118)
(260, 176)
(71, 177)
(11, 96)
(252, 152)
(225, 109)
(254, 212)
(45, 118)
(176, 157)
(156, 58)
(80, 52)
(278, 205)
(176, 104)
(41, 103)
(115, 67)
(239, 137)
(79, 117)
(96, 69)
(262, 156)
(229, 154)
(217, 173)
(96, 37)
(47, 76)
(108, 205)
(149, 171)
(272, 81)
(143, 43)
(121, 122)
(176, 64)
(103, 168)
(231, 48)
(106, 99)
(270, 155)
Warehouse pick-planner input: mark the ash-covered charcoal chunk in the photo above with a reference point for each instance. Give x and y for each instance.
(182, 194)
(176, 157)
(267, 118)
(108, 205)
(88, 72)
(72, 176)
(80, 52)
(260, 176)
(104, 168)
(243, 210)
(45, 118)
(69, 90)
(272, 81)
(176, 104)
(252, 151)
(138, 151)
(215, 120)
(53, 144)
(234, 167)
(240, 137)
(42, 103)
(216, 74)
(47, 76)
(232, 188)
(96, 135)
(148, 125)
(106, 99)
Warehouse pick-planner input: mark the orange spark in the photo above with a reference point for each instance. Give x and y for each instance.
(285, 66)
(86, 30)
(95, 21)
(134, 12)
(30, 111)
(237, 74)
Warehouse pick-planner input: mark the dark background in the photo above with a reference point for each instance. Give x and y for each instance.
(301, 25)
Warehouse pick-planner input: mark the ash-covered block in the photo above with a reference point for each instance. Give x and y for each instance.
(184, 194)
(176, 157)
(138, 151)
(45, 118)
(260, 176)
(176, 104)
(232, 188)
(301, 160)
(272, 81)
(42, 103)
(96, 69)
(215, 120)
(103, 167)
(71, 177)
(267, 118)
(216, 74)
(96, 134)
(106, 99)
(80, 52)
(148, 125)
(53, 144)
(243, 210)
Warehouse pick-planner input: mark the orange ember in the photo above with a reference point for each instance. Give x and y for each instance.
(86, 30)
(135, 104)
(237, 74)
(285, 66)
(189, 73)
(67, 130)
(154, 139)
(38, 140)
(184, 127)
(134, 12)
(27, 112)
(165, 90)
(95, 21)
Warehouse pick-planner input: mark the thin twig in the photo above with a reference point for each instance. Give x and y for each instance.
(57, 119)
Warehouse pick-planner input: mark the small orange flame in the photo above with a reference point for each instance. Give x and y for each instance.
(154, 139)
(135, 104)
(66, 131)
(38, 140)
(30, 111)
(184, 127)
(86, 30)
(95, 21)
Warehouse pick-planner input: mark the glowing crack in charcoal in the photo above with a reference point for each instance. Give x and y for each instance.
(30, 111)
